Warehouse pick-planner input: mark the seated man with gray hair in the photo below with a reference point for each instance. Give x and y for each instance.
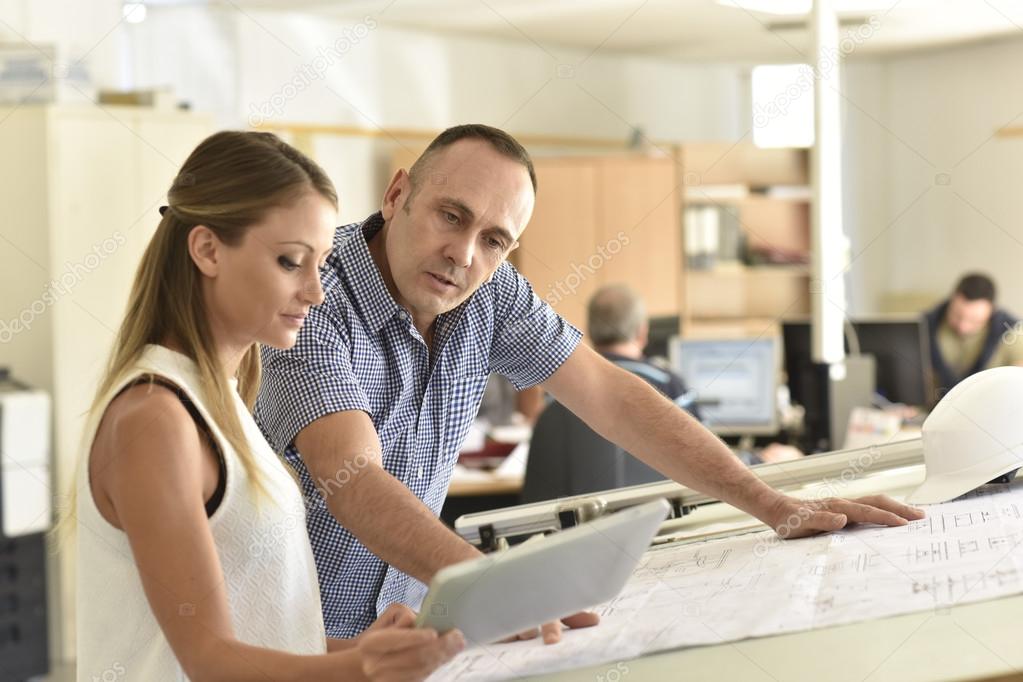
(617, 324)
(618, 328)
(567, 457)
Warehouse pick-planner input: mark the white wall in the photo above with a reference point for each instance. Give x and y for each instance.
(192, 49)
(942, 110)
(865, 197)
(300, 68)
(92, 32)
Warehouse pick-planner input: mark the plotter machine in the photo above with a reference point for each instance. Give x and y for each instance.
(978, 641)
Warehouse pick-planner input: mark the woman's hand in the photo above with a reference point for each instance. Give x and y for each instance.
(392, 649)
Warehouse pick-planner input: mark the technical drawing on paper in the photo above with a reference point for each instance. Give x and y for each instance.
(756, 585)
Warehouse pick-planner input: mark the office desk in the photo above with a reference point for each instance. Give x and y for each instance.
(491, 484)
(473, 491)
(971, 642)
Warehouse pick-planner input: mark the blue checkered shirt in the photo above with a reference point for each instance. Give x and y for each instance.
(359, 350)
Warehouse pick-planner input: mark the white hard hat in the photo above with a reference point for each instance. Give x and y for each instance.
(974, 435)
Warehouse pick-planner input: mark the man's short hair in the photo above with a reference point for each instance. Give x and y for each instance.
(615, 314)
(500, 141)
(976, 287)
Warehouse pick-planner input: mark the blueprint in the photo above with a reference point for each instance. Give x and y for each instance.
(755, 585)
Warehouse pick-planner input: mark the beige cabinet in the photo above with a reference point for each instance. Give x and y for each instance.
(602, 220)
(80, 187)
(555, 250)
(639, 201)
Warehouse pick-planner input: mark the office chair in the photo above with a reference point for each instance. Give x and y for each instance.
(566, 457)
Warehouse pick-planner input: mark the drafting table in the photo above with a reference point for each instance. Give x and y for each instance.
(973, 641)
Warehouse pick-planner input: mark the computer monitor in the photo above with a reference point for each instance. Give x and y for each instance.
(735, 381)
(902, 348)
(662, 331)
(899, 344)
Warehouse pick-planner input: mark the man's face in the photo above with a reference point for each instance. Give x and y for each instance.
(448, 238)
(967, 317)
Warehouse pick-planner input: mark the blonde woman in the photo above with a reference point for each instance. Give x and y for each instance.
(193, 556)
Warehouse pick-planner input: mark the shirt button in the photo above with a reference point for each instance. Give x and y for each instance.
(419, 472)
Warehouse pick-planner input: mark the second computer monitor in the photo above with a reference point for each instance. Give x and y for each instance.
(734, 380)
(899, 343)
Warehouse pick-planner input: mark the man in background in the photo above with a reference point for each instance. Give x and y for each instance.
(618, 329)
(970, 334)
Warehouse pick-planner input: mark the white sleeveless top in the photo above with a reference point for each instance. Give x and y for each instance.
(264, 551)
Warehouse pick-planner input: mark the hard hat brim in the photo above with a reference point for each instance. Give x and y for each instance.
(948, 486)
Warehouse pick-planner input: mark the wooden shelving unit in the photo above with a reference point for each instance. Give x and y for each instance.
(764, 194)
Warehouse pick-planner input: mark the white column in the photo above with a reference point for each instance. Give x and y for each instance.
(828, 241)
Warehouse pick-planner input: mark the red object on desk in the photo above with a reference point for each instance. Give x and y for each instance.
(487, 458)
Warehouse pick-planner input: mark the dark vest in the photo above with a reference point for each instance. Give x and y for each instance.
(1000, 322)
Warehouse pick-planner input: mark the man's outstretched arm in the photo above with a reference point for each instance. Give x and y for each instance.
(629, 412)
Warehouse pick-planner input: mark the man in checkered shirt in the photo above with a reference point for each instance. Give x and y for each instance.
(373, 402)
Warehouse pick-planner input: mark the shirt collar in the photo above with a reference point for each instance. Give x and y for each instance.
(363, 276)
(371, 295)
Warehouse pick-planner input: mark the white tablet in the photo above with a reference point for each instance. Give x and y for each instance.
(501, 594)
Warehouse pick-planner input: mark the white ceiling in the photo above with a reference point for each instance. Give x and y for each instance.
(696, 30)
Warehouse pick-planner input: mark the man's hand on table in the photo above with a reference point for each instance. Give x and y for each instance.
(552, 631)
(794, 518)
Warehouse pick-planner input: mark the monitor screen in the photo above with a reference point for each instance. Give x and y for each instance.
(899, 344)
(735, 382)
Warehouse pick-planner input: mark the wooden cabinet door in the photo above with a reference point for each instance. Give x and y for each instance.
(639, 216)
(557, 247)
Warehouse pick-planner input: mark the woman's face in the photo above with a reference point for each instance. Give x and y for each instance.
(265, 285)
